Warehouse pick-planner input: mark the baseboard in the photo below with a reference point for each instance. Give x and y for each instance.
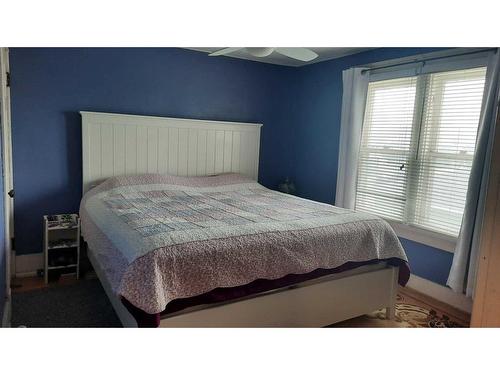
(6, 317)
(28, 264)
(440, 293)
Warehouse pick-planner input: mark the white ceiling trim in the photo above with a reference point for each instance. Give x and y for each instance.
(324, 53)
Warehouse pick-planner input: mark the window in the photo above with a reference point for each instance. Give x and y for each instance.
(417, 145)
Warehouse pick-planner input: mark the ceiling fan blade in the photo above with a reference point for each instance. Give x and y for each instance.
(225, 51)
(302, 54)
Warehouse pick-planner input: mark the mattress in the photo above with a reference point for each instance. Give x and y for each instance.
(165, 243)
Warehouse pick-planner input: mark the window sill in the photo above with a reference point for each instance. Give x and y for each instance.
(426, 237)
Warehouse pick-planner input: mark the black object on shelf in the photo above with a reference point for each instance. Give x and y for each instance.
(287, 187)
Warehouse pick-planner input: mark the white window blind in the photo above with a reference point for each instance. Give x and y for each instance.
(417, 146)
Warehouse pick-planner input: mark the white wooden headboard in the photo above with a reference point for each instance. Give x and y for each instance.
(117, 144)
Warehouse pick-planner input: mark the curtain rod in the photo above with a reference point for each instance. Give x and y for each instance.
(428, 59)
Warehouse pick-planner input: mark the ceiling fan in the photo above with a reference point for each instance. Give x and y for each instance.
(302, 54)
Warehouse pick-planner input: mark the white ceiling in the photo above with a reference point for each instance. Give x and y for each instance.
(325, 53)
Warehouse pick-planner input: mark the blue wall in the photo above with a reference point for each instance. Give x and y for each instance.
(428, 262)
(50, 86)
(317, 143)
(299, 107)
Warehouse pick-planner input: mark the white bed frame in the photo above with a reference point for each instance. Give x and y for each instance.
(118, 144)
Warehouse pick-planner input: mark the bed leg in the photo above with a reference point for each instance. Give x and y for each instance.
(390, 312)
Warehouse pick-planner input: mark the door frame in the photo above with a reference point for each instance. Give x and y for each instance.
(5, 113)
(486, 308)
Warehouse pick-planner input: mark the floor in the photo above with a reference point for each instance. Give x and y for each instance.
(27, 284)
(413, 310)
(74, 303)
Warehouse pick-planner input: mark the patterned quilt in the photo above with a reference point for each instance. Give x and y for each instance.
(159, 237)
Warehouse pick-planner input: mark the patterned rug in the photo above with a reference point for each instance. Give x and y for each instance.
(410, 313)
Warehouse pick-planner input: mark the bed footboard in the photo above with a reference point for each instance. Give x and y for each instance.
(314, 305)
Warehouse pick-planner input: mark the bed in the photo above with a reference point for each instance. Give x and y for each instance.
(181, 234)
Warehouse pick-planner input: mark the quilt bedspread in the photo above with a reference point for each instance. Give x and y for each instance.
(159, 237)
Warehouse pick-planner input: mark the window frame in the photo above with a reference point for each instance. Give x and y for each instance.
(421, 70)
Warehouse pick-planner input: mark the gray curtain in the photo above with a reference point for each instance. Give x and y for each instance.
(462, 278)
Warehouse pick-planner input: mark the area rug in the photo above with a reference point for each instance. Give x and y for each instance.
(410, 313)
(82, 304)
